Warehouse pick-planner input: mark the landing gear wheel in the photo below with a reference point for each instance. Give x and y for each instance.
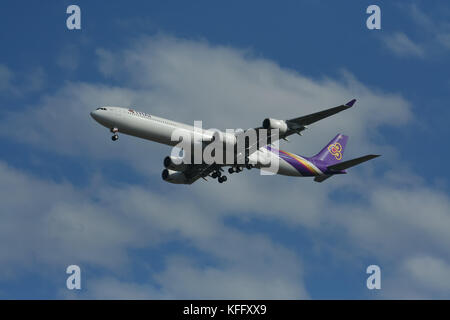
(238, 169)
(115, 137)
(231, 170)
(216, 174)
(222, 179)
(248, 166)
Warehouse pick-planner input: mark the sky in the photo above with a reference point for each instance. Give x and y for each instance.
(70, 196)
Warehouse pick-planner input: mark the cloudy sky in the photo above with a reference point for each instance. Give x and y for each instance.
(69, 195)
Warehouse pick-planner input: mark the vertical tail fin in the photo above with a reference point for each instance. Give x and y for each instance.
(333, 151)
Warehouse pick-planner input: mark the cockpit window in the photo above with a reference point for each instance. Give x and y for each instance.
(101, 108)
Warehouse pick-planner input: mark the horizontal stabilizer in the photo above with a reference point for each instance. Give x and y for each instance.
(351, 163)
(321, 178)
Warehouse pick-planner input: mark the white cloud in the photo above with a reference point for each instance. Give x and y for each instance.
(55, 225)
(16, 85)
(172, 78)
(444, 39)
(430, 272)
(236, 281)
(401, 45)
(111, 288)
(420, 18)
(186, 81)
(431, 34)
(106, 63)
(6, 77)
(390, 211)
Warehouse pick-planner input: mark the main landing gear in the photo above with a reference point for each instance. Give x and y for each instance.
(221, 178)
(234, 169)
(218, 175)
(238, 168)
(115, 136)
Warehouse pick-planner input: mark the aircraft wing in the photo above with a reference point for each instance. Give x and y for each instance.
(297, 125)
(197, 171)
(314, 117)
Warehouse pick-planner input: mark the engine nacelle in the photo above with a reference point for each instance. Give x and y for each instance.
(174, 163)
(172, 176)
(225, 138)
(281, 125)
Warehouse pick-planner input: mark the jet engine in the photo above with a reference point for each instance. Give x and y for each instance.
(174, 163)
(172, 176)
(281, 125)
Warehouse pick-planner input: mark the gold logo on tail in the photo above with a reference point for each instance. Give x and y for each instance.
(335, 149)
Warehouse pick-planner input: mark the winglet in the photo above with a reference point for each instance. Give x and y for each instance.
(351, 103)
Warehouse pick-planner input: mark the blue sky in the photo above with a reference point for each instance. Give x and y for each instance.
(70, 196)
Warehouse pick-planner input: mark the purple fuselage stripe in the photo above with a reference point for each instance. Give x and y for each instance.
(300, 167)
(304, 171)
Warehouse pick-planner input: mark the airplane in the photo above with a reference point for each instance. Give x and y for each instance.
(325, 164)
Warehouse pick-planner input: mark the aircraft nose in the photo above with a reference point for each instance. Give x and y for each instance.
(94, 114)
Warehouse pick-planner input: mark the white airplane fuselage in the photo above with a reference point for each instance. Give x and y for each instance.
(157, 129)
(144, 125)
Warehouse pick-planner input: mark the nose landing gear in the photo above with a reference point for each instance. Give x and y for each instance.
(115, 136)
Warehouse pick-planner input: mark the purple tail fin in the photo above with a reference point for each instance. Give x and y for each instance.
(333, 151)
